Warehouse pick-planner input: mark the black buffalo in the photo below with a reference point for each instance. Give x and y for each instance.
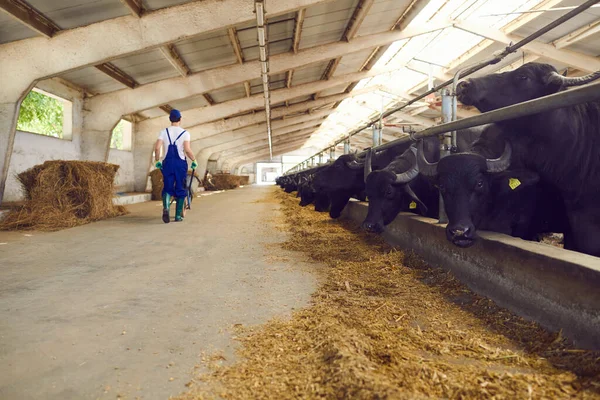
(560, 145)
(487, 188)
(344, 178)
(399, 187)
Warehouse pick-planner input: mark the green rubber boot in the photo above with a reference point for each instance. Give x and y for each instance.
(179, 210)
(166, 205)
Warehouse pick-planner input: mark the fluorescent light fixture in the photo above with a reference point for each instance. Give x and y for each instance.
(263, 53)
(264, 68)
(265, 78)
(260, 13)
(261, 35)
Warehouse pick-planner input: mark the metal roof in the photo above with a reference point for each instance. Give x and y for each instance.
(439, 54)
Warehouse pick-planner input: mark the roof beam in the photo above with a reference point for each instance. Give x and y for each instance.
(259, 154)
(257, 131)
(288, 78)
(296, 137)
(235, 43)
(172, 55)
(576, 60)
(298, 29)
(578, 35)
(168, 90)
(29, 16)
(507, 29)
(118, 75)
(118, 37)
(247, 88)
(135, 6)
(233, 107)
(225, 126)
(360, 12)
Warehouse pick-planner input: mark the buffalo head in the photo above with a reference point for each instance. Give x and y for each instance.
(528, 82)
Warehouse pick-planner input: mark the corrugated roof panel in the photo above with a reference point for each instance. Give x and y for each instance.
(11, 29)
(189, 103)
(588, 16)
(207, 51)
(590, 45)
(382, 16)
(352, 62)
(147, 67)
(325, 23)
(279, 35)
(93, 80)
(70, 14)
(229, 93)
(312, 73)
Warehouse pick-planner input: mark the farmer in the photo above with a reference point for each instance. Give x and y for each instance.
(176, 144)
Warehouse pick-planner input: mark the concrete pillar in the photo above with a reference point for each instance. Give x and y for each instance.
(9, 113)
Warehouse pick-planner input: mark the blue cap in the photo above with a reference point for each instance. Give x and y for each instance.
(175, 115)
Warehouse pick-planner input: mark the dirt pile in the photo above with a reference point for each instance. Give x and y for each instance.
(63, 194)
(385, 326)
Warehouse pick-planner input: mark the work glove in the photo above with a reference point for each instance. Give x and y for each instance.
(158, 165)
(194, 164)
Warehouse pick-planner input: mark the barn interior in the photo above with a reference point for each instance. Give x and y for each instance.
(129, 307)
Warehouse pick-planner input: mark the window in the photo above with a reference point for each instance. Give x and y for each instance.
(121, 136)
(46, 114)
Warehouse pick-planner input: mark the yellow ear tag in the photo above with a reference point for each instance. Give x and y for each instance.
(412, 205)
(514, 183)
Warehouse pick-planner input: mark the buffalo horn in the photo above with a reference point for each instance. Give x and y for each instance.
(577, 81)
(368, 163)
(411, 174)
(501, 163)
(425, 167)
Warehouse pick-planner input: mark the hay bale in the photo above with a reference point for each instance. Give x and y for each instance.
(224, 182)
(63, 194)
(156, 178)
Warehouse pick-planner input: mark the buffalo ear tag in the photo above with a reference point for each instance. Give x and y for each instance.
(514, 183)
(412, 205)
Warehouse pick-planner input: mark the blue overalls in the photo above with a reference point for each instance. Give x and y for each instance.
(174, 171)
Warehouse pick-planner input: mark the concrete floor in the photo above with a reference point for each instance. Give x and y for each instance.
(119, 307)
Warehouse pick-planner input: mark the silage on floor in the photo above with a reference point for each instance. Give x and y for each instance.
(385, 326)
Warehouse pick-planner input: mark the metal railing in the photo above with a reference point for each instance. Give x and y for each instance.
(510, 112)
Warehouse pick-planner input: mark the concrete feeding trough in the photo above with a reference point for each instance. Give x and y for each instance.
(557, 288)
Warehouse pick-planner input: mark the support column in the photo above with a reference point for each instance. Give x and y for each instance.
(9, 113)
(347, 146)
(446, 143)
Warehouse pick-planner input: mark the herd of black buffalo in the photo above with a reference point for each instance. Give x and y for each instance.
(522, 177)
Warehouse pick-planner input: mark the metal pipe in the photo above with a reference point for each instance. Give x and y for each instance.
(495, 59)
(446, 143)
(347, 146)
(552, 102)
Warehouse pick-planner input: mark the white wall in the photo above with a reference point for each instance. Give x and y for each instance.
(124, 180)
(31, 149)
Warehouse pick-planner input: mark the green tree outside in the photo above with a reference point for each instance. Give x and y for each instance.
(116, 141)
(41, 114)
